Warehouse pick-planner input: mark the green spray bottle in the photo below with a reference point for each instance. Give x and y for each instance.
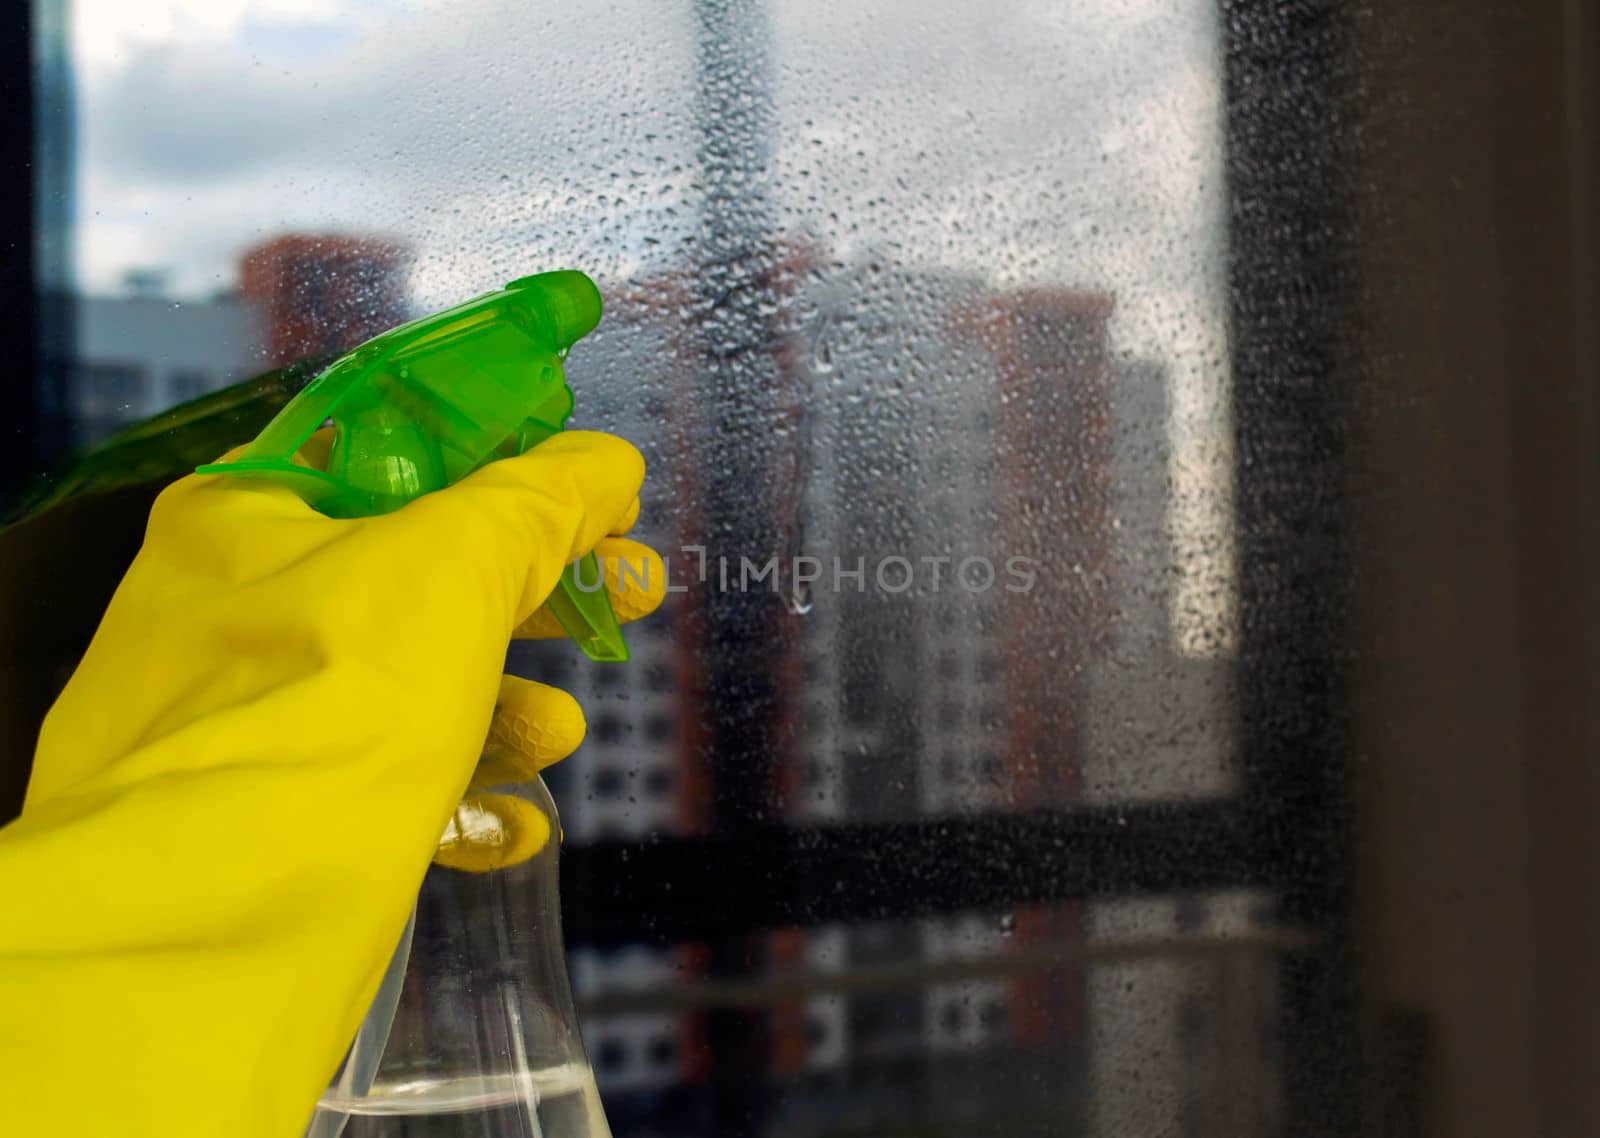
(425, 404)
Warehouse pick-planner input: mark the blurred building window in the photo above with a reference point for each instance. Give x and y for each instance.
(108, 389)
(185, 384)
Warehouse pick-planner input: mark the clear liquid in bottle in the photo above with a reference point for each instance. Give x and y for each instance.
(557, 1102)
(472, 1031)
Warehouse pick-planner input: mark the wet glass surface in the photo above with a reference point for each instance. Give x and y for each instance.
(922, 807)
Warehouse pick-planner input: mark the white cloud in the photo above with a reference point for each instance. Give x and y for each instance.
(105, 31)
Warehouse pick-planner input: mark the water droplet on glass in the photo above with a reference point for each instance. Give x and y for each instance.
(822, 357)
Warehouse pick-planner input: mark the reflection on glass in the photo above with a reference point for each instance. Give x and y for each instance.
(1149, 1016)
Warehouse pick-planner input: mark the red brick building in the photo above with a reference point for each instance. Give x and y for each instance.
(1051, 352)
(324, 294)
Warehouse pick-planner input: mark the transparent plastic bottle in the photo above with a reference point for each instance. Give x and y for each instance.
(473, 1030)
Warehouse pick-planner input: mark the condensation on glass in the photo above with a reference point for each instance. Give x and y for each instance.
(918, 314)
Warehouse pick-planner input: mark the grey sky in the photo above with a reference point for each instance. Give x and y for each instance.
(1027, 141)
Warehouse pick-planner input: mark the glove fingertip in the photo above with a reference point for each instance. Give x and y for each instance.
(626, 522)
(639, 576)
(542, 723)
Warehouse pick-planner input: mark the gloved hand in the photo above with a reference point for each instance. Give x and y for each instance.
(235, 798)
(535, 725)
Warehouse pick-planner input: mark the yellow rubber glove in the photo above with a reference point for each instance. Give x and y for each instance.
(536, 725)
(235, 798)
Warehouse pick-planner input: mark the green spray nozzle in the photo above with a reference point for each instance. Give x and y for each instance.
(425, 404)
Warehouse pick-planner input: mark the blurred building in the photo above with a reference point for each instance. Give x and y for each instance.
(141, 353)
(1055, 425)
(1180, 1041)
(902, 685)
(323, 294)
(636, 773)
(1150, 707)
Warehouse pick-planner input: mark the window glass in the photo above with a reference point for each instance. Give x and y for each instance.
(917, 311)
(184, 384)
